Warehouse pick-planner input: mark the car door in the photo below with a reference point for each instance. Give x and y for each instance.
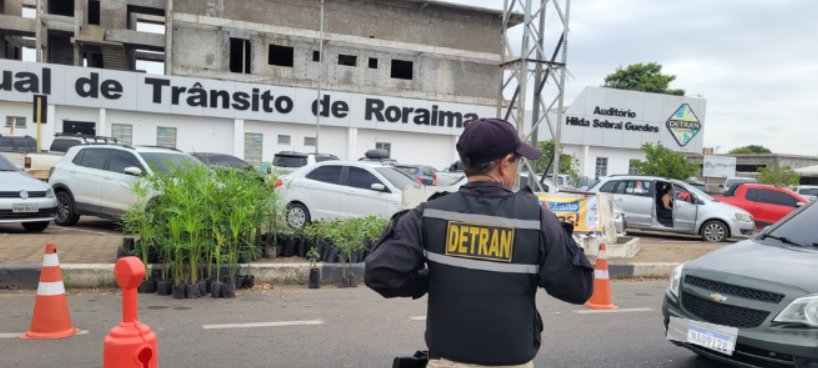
(86, 179)
(358, 199)
(634, 198)
(321, 191)
(117, 192)
(685, 210)
(773, 205)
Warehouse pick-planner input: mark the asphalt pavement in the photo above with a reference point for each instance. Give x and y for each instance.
(331, 327)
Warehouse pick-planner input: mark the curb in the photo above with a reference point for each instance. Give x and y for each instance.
(102, 275)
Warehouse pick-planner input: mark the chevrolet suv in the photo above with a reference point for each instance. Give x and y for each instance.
(753, 303)
(96, 180)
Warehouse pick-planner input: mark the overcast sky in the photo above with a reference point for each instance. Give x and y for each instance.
(755, 61)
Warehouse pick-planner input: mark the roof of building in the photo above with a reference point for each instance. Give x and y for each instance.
(515, 20)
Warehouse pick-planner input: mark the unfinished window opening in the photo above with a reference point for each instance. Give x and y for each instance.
(61, 7)
(347, 60)
(150, 66)
(239, 56)
(373, 63)
(92, 59)
(150, 27)
(316, 56)
(29, 12)
(402, 69)
(93, 12)
(280, 55)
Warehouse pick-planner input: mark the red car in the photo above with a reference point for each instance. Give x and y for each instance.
(766, 203)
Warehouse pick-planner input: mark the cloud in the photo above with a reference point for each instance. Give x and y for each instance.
(755, 61)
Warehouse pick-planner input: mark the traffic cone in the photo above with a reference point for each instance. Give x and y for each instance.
(51, 319)
(601, 298)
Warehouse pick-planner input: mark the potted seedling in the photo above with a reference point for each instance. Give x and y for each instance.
(315, 273)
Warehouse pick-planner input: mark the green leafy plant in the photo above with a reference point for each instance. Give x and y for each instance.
(778, 176)
(642, 77)
(312, 257)
(661, 161)
(753, 148)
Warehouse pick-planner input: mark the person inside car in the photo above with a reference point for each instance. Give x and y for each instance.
(666, 203)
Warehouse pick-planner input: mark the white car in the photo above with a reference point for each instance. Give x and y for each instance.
(96, 180)
(809, 192)
(342, 189)
(24, 199)
(286, 162)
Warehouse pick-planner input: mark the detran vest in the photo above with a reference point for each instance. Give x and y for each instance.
(483, 255)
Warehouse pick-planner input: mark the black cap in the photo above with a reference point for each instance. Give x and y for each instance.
(487, 140)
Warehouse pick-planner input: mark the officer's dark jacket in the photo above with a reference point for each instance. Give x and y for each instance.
(487, 250)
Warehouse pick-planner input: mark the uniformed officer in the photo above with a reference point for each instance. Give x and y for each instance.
(481, 253)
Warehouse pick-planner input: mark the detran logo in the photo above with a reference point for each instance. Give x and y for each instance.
(563, 206)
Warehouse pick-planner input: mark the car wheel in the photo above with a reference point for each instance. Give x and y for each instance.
(66, 215)
(297, 215)
(35, 227)
(715, 231)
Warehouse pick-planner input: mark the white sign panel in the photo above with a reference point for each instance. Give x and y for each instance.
(719, 167)
(87, 87)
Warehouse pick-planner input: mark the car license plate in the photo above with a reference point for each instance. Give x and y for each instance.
(25, 207)
(721, 339)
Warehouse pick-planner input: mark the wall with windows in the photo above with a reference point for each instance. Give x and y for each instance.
(333, 139)
(193, 133)
(410, 148)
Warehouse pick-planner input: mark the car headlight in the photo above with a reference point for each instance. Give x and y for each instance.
(50, 192)
(802, 311)
(743, 217)
(676, 280)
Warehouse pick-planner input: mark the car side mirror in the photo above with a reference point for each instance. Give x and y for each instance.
(133, 171)
(378, 187)
(800, 204)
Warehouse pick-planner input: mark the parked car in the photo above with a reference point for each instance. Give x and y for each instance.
(808, 192)
(766, 203)
(732, 181)
(451, 175)
(24, 199)
(221, 161)
(379, 155)
(287, 162)
(17, 144)
(95, 180)
(694, 212)
(39, 165)
(754, 302)
(700, 186)
(342, 189)
(583, 183)
(425, 175)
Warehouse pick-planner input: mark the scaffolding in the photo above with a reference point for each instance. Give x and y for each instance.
(517, 69)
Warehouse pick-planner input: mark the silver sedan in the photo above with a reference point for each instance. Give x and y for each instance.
(24, 199)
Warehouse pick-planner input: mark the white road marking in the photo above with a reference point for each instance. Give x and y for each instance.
(622, 310)
(16, 335)
(263, 324)
(418, 318)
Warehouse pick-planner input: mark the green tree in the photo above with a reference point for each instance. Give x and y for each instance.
(642, 77)
(568, 163)
(661, 161)
(753, 148)
(778, 176)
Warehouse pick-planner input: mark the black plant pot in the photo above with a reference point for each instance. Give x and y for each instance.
(164, 287)
(332, 256)
(278, 251)
(288, 248)
(202, 287)
(353, 257)
(323, 249)
(353, 282)
(228, 290)
(303, 247)
(147, 287)
(191, 291)
(315, 278)
(208, 285)
(346, 282)
(216, 290)
(179, 291)
(239, 283)
(249, 281)
(120, 253)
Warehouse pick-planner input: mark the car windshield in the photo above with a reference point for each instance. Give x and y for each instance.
(226, 162)
(290, 161)
(5, 165)
(165, 162)
(799, 227)
(696, 191)
(808, 191)
(411, 170)
(396, 177)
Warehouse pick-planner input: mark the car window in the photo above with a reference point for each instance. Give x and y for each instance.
(776, 198)
(78, 158)
(360, 178)
(5, 145)
(62, 145)
(120, 160)
(411, 170)
(608, 187)
(166, 162)
(799, 227)
(26, 145)
(398, 178)
(635, 187)
(322, 158)
(808, 191)
(290, 161)
(5, 165)
(327, 174)
(95, 158)
(751, 195)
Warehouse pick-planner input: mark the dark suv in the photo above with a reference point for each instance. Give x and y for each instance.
(753, 303)
(17, 144)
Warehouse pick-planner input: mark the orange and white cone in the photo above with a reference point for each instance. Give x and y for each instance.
(601, 298)
(51, 318)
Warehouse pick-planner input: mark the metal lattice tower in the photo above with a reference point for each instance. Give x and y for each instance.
(516, 70)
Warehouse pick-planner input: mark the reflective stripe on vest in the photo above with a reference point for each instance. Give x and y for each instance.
(482, 219)
(481, 265)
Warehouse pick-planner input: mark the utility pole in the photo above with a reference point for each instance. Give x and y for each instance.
(318, 111)
(515, 71)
